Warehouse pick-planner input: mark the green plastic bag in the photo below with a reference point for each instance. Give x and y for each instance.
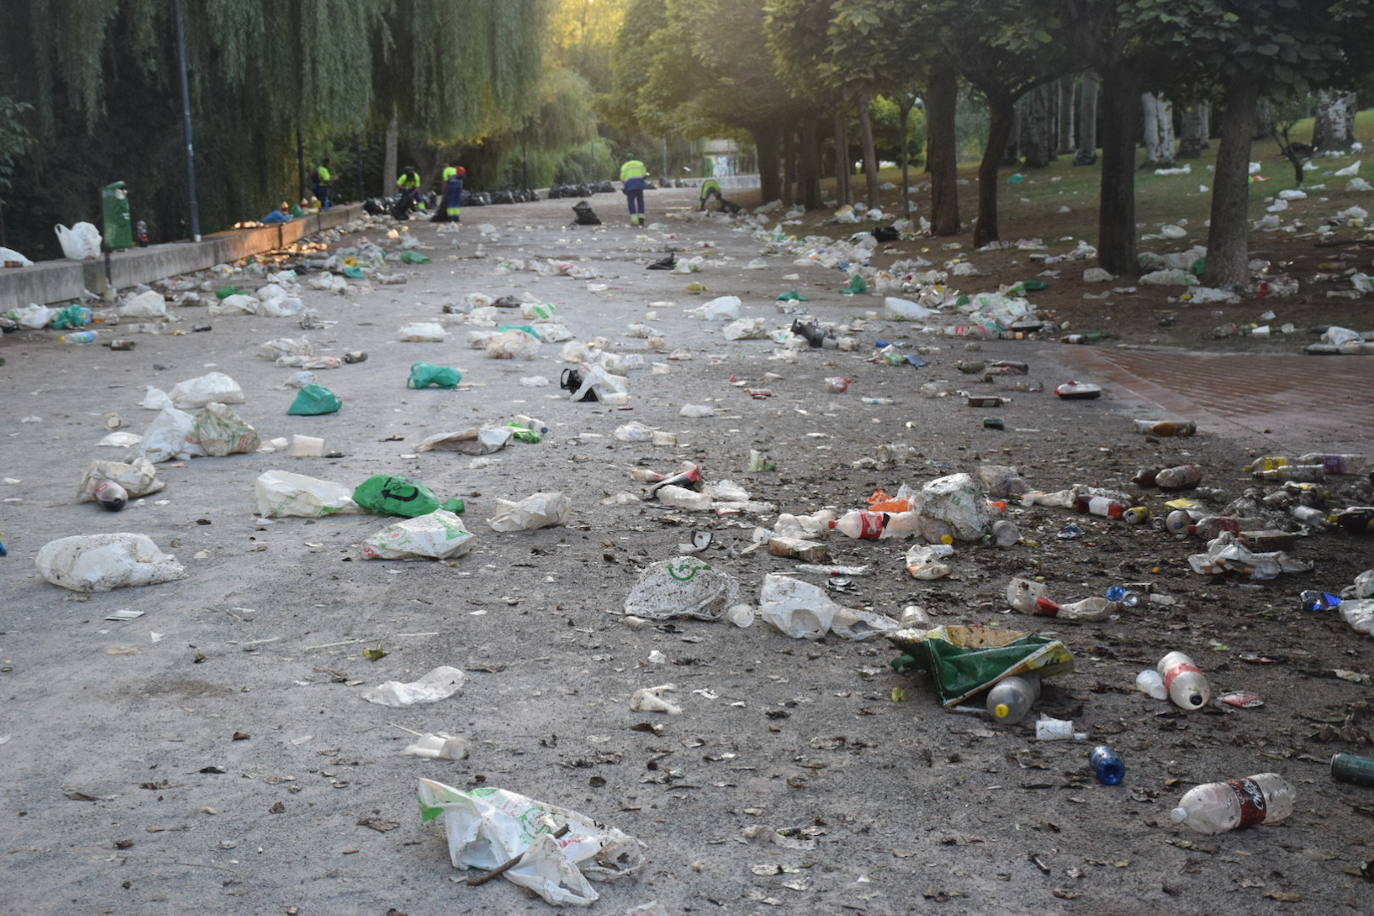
(964, 661)
(524, 433)
(427, 375)
(387, 495)
(314, 400)
(793, 296)
(225, 292)
(1198, 268)
(354, 273)
(73, 316)
(857, 286)
(525, 328)
(1032, 286)
(413, 257)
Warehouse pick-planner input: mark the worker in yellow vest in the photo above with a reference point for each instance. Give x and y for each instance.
(632, 175)
(324, 181)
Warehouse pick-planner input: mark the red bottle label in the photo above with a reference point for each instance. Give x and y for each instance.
(1044, 607)
(1251, 797)
(872, 524)
(1175, 671)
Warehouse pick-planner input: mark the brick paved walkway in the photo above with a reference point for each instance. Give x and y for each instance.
(1294, 401)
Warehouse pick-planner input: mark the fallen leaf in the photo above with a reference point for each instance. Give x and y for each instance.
(1283, 896)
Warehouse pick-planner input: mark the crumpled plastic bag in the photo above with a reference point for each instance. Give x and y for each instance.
(100, 562)
(924, 561)
(905, 309)
(804, 611)
(438, 684)
(204, 389)
(600, 383)
(651, 699)
(388, 495)
(286, 346)
(219, 432)
(1226, 554)
(428, 375)
(137, 477)
(1363, 587)
(236, 304)
(438, 535)
(281, 493)
(487, 827)
(34, 316)
(746, 329)
(1359, 613)
(682, 587)
(170, 436)
(513, 344)
(314, 401)
(952, 505)
(82, 241)
(722, 308)
(1001, 481)
(422, 332)
(147, 304)
(538, 510)
(470, 441)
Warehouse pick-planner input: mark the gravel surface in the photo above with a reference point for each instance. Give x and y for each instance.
(216, 752)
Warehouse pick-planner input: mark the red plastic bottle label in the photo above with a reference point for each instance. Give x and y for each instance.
(1044, 607)
(872, 525)
(1174, 672)
(1252, 804)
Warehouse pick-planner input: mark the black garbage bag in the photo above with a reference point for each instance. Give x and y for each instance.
(886, 234)
(584, 215)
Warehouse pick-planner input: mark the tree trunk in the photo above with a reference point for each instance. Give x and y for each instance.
(908, 102)
(811, 164)
(789, 165)
(1159, 131)
(843, 194)
(1228, 252)
(389, 171)
(1001, 118)
(766, 145)
(942, 155)
(1037, 127)
(1116, 237)
(1065, 86)
(1196, 119)
(1087, 119)
(1011, 153)
(1334, 126)
(870, 153)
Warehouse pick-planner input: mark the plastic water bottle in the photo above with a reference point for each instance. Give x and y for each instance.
(1110, 508)
(1107, 765)
(1167, 428)
(79, 337)
(1185, 682)
(869, 526)
(1177, 478)
(111, 495)
(1310, 516)
(1217, 807)
(1011, 699)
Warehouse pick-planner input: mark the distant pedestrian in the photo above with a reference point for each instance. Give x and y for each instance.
(632, 175)
(409, 185)
(324, 184)
(452, 210)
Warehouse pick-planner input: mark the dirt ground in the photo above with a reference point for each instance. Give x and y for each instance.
(216, 752)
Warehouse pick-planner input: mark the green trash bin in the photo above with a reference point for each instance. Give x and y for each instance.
(114, 206)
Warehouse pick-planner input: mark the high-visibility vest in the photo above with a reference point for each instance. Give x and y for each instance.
(633, 169)
(408, 181)
(449, 172)
(323, 175)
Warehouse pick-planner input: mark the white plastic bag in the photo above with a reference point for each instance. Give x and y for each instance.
(746, 329)
(905, 309)
(796, 608)
(487, 827)
(286, 346)
(440, 535)
(281, 493)
(100, 562)
(538, 510)
(147, 304)
(603, 384)
(952, 505)
(422, 332)
(156, 399)
(237, 304)
(35, 316)
(512, 344)
(170, 436)
(137, 477)
(1359, 613)
(470, 441)
(220, 431)
(9, 254)
(682, 587)
(213, 387)
(722, 308)
(1226, 554)
(80, 243)
(439, 684)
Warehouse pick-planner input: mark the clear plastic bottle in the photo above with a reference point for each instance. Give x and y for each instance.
(1022, 595)
(1216, 807)
(1311, 516)
(79, 337)
(869, 526)
(1185, 682)
(1177, 478)
(1336, 464)
(1303, 472)
(683, 498)
(1011, 699)
(1088, 609)
(1110, 508)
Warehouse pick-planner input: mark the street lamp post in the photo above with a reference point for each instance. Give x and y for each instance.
(186, 123)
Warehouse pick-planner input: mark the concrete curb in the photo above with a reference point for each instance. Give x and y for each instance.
(62, 280)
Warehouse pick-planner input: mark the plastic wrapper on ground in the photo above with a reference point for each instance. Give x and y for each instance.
(213, 387)
(470, 441)
(538, 510)
(439, 535)
(682, 587)
(137, 477)
(1226, 554)
(964, 661)
(219, 432)
(438, 684)
(101, 562)
(281, 494)
(487, 827)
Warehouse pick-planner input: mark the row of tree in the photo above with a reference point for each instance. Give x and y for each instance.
(792, 72)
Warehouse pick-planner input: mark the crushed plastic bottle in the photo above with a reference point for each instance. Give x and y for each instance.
(1107, 765)
(1217, 807)
(1150, 683)
(865, 525)
(1178, 478)
(1011, 699)
(1167, 428)
(1185, 682)
(1312, 600)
